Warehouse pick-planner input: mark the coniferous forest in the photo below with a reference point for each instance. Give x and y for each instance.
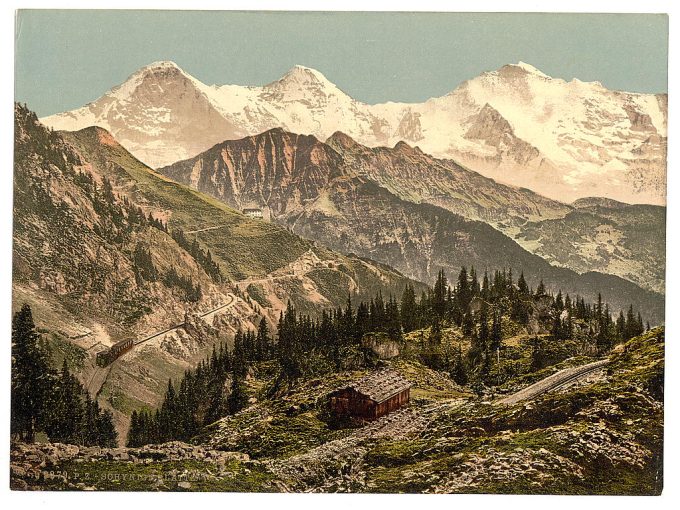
(307, 347)
(279, 288)
(48, 401)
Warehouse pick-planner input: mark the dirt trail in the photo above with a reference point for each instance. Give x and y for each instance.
(338, 463)
(206, 229)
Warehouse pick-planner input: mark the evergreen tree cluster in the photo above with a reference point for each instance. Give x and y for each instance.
(307, 346)
(478, 308)
(135, 215)
(45, 400)
(202, 396)
(192, 293)
(198, 400)
(143, 265)
(202, 257)
(125, 216)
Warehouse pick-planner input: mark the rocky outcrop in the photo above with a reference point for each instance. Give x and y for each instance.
(489, 467)
(382, 345)
(33, 464)
(491, 128)
(409, 127)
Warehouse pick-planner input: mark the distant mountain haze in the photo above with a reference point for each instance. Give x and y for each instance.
(564, 140)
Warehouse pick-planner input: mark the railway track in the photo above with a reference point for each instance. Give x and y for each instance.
(100, 374)
(173, 328)
(553, 382)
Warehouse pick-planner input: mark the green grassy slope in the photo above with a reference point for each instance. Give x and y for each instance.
(242, 246)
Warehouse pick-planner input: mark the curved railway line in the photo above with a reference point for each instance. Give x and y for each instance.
(553, 382)
(100, 374)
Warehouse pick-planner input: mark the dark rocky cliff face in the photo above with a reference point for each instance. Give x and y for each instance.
(275, 169)
(284, 171)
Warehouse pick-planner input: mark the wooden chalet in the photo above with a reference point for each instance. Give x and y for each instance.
(372, 396)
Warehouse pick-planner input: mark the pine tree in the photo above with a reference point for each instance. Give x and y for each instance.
(263, 341)
(468, 324)
(238, 397)
(559, 302)
(439, 295)
(290, 355)
(377, 312)
(474, 283)
(540, 290)
(483, 327)
(168, 415)
(522, 286)
(106, 431)
(408, 309)
(363, 319)
(496, 333)
(459, 372)
(348, 323)
(393, 321)
(621, 326)
(31, 377)
(239, 356)
(134, 432)
(463, 290)
(66, 412)
(557, 330)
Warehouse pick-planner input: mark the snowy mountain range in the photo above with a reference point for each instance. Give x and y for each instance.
(565, 140)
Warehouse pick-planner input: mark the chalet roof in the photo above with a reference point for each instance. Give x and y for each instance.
(380, 385)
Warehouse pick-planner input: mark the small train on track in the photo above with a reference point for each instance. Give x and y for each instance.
(108, 356)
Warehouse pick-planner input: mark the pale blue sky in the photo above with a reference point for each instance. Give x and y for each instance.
(65, 59)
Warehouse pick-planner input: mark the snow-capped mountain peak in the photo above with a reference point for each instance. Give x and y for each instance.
(162, 64)
(516, 124)
(301, 83)
(530, 69)
(303, 75)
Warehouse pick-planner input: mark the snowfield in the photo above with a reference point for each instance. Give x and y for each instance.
(565, 140)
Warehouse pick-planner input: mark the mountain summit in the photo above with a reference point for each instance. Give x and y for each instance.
(566, 140)
(301, 75)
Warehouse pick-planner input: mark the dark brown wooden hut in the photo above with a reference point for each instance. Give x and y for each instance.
(371, 397)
